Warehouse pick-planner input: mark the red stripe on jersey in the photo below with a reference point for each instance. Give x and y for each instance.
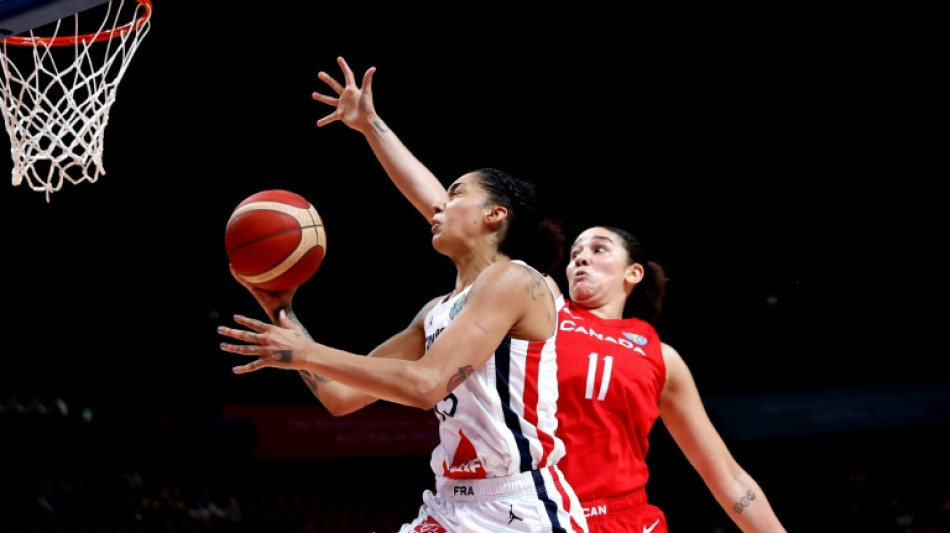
(531, 396)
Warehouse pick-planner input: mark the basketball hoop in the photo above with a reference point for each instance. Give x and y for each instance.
(56, 102)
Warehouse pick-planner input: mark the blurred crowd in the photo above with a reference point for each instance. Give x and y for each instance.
(197, 475)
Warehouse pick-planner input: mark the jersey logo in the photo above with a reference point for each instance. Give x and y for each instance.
(431, 338)
(627, 340)
(429, 525)
(512, 516)
(639, 340)
(650, 529)
(465, 463)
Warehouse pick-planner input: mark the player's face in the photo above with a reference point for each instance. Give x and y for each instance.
(460, 219)
(597, 268)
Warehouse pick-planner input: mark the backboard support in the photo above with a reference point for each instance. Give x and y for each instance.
(18, 16)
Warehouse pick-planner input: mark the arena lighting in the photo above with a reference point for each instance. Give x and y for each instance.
(33, 405)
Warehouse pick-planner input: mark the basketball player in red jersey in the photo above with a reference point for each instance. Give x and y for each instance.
(617, 377)
(488, 372)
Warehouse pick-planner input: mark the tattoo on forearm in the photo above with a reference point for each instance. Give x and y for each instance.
(314, 377)
(457, 379)
(312, 381)
(744, 502)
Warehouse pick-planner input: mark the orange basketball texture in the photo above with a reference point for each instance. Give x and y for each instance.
(275, 239)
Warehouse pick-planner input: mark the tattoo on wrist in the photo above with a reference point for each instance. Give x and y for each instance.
(379, 126)
(744, 502)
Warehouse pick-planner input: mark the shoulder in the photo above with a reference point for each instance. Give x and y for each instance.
(505, 275)
(670, 353)
(677, 373)
(514, 291)
(420, 317)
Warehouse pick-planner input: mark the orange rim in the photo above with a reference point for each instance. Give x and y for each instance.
(68, 40)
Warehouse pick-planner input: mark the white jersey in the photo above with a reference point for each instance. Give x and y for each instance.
(502, 419)
(496, 462)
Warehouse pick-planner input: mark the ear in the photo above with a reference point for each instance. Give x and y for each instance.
(634, 274)
(496, 215)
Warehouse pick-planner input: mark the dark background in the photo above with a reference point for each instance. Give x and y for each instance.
(769, 166)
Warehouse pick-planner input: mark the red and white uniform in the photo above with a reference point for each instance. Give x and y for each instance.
(611, 374)
(496, 462)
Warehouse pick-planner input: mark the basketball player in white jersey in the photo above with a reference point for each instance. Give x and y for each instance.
(482, 357)
(616, 375)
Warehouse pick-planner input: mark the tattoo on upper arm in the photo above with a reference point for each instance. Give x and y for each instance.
(457, 379)
(535, 283)
(744, 502)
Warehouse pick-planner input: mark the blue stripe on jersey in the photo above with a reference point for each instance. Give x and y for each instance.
(502, 374)
(549, 506)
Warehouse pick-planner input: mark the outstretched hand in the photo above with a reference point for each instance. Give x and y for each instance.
(354, 105)
(272, 345)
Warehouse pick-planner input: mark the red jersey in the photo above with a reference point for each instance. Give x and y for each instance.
(611, 374)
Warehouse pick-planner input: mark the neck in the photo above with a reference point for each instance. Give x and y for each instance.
(606, 310)
(470, 268)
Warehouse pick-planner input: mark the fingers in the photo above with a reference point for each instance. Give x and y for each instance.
(255, 337)
(347, 72)
(250, 367)
(240, 335)
(243, 349)
(329, 100)
(335, 85)
(333, 117)
(368, 82)
(252, 323)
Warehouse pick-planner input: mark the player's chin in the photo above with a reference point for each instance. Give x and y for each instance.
(581, 292)
(439, 243)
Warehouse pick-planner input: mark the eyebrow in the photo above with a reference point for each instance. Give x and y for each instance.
(594, 239)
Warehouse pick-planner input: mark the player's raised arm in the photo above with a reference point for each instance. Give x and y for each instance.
(354, 107)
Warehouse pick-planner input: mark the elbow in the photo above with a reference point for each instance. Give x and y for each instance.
(337, 410)
(425, 390)
(342, 405)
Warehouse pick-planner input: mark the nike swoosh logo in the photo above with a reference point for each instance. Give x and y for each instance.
(649, 529)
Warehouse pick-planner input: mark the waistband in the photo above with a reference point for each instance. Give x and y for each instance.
(617, 505)
(495, 488)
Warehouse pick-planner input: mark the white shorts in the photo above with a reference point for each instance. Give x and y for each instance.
(533, 502)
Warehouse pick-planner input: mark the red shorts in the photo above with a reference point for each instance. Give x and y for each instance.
(624, 514)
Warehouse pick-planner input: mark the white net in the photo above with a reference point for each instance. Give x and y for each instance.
(58, 90)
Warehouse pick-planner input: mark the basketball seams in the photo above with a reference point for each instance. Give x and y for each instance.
(299, 213)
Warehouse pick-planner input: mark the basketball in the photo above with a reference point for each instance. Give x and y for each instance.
(275, 240)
